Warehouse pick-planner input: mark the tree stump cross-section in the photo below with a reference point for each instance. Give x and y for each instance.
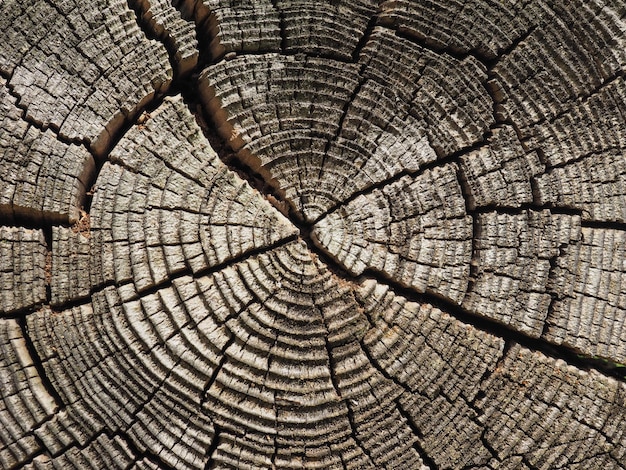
(313, 234)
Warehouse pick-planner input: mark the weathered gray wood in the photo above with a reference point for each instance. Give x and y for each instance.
(165, 203)
(70, 262)
(482, 25)
(24, 401)
(178, 33)
(591, 282)
(414, 231)
(23, 265)
(501, 173)
(42, 178)
(318, 28)
(578, 415)
(81, 68)
(357, 234)
(513, 258)
(102, 452)
(439, 362)
(571, 55)
(586, 164)
(346, 127)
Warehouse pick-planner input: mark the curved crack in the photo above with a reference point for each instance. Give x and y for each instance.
(38, 364)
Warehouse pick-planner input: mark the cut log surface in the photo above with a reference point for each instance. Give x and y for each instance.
(23, 269)
(313, 234)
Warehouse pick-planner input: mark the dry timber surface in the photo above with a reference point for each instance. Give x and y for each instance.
(313, 234)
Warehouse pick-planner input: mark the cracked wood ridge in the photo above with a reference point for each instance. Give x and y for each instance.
(308, 234)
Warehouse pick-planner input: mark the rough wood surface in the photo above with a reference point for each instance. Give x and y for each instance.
(313, 234)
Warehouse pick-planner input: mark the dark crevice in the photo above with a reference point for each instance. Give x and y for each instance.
(202, 17)
(149, 29)
(309, 238)
(54, 129)
(38, 364)
(80, 301)
(216, 371)
(85, 300)
(251, 170)
(495, 328)
(342, 118)
(335, 383)
(605, 225)
(369, 29)
(554, 297)
(486, 444)
(28, 218)
(526, 462)
(258, 178)
(362, 80)
(281, 26)
(130, 121)
(466, 190)
(11, 88)
(47, 233)
(484, 379)
(22, 312)
(40, 443)
(433, 45)
(492, 63)
(213, 446)
(355, 434)
(141, 455)
(98, 159)
(131, 118)
(158, 386)
(428, 461)
(523, 208)
(439, 162)
(210, 269)
(476, 232)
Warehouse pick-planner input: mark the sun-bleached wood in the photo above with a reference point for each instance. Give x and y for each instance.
(83, 69)
(312, 234)
(23, 260)
(514, 263)
(42, 178)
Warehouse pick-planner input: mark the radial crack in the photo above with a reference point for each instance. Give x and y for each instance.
(38, 363)
(428, 460)
(504, 331)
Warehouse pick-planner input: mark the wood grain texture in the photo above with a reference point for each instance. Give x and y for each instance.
(22, 269)
(312, 234)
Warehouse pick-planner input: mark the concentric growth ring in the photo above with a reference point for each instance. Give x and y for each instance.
(312, 234)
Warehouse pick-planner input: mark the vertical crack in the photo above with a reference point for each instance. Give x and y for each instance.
(371, 24)
(282, 26)
(336, 387)
(428, 461)
(362, 80)
(38, 364)
(205, 392)
(217, 432)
